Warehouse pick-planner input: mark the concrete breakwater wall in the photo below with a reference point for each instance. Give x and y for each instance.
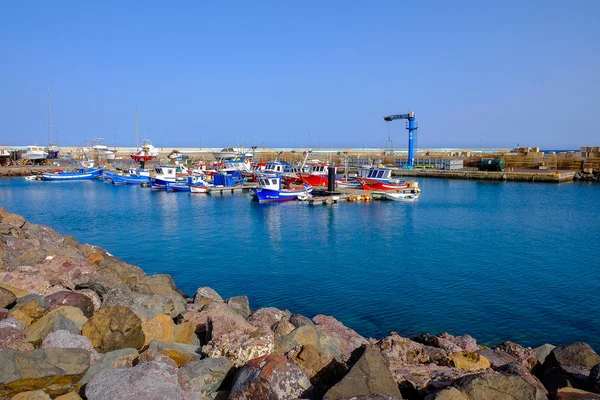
(9, 172)
(76, 322)
(516, 176)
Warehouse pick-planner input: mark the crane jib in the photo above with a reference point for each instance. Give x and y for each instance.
(396, 116)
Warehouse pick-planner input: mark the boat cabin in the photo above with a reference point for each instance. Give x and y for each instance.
(319, 169)
(272, 182)
(378, 174)
(168, 171)
(274, 167)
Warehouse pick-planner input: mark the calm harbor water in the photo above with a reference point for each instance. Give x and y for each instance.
(500, 261)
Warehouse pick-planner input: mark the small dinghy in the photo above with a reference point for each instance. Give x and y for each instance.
(405, 197)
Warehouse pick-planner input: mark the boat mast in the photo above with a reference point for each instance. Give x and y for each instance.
(49, 119)
(136, 130)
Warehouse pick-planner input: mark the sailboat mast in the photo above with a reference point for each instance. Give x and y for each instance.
(136, 130)
(49, 119)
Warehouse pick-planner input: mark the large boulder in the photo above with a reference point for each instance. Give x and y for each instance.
(517, 368)
(123, 358)
(203, 377)
(6, 297)
(240, 346)
(54, 370)
(269, 377)
(152, 381)
(594, 378)
(240, 304)
(451, 344)
(146, 305)
(569, 365)
(161, 283)
(308, 335)
(67, 340)
(496, 357)
(161, 327)
(542, 352)
(206, 295)
(422, 379)
(492, 385)
(12, 336)
(466, 360)
(282, 328)
(178, 352)
(73, 299)
(270, 315)
(113, 328)
(322, 369)
(63, 318)
(401, 351)
(524, 355)
(349, 339)
(569, 393)
(369, 376)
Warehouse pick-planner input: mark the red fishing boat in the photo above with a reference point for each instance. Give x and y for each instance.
(316, 176)
(381, 179)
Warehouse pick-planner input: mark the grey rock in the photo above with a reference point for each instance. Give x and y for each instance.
(66, 340)
(497, 358)
(299, 320)
(123, 358)
(308, 335)
(179, 352)
(54, 370)
(203, 377)
(491, 385)
(451, 344)
(146, 305)
(148, 381)
(542, 352)
(370, 375)
(240, 304)
(348, 338)
(270, 315)
(205, 294)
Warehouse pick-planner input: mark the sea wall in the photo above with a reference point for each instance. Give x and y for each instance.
(514, 176)
(9, 172)
(76, 322)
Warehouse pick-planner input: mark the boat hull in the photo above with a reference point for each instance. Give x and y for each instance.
(128, 180)
(314, 180)
(198, 189)
(73, 176)
(177, 187)
(403, 197)
(371, 184)
(269, 195)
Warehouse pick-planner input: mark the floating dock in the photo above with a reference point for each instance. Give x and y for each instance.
(224, 190)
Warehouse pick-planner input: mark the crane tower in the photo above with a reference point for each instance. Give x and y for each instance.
(412, 127)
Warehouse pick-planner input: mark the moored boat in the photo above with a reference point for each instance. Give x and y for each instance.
(271, 190)
(317, 175)
(87, 171)
(380, 178)
(399, 196)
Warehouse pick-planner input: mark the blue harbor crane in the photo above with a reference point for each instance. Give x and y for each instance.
(412, 127)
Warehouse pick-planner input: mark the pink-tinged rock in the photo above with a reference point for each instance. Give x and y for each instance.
(269, 377)
(66, 340)
(3, 313)
(6, 297)
(66, 271)
(223, 319)
(349, 339)
(400, 351)
(148, 381)
(518, 369)
(93, 296)
(451, 344)
(73, 299)
(27, 279)
(150, 355)
(241, 346)
(205, 295)
(12, 336)
(524, 355)
(497, 358)
(270, 315)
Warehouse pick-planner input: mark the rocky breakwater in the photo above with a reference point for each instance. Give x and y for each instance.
(11, 172)
(78, 323)
(588, 175)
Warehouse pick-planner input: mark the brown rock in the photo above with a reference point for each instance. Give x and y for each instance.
(569, 393)
(497, 358)
(270, 315)
(518, 369)
(63, 318)
(401, 351)
(451, 344)
(6, 297)
(15, 290)
(490, 385)
(426, 377)
(69, 396)
(33, 395)
(161, 327)
(95, 258)
(282, 328)
(72, 299)
(114, 327)
(369, 376)
(160, 283)
(269, 377)
(178, 352)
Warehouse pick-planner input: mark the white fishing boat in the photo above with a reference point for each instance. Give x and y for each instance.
(399, 196)
(101, 150)
(35, 153)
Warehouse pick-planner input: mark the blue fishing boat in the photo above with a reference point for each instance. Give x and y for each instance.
(164, 174)
(187, 185)
(129, 179)
(271, 190)
(87, 171)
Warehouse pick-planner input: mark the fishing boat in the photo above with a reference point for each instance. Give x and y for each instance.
(164, 174)
(380, 178)
(87, 171)
(399, 196)
(35, 153)
(317, 175)
(101, 150)
(147, 153)
(271, 190)
(185, 185)
(130, 179)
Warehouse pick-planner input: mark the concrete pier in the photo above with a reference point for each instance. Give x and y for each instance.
(515, 176)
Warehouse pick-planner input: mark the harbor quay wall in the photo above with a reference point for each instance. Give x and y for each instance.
(78, 323)
(517, 176)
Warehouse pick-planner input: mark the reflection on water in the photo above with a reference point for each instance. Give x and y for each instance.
(498, 261)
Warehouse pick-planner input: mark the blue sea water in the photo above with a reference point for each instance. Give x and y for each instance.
(500, 261)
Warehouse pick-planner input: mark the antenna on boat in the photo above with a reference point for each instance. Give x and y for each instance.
(136, 130)
(49, 119)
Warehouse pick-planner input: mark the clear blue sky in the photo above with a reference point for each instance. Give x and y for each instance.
(494, 73)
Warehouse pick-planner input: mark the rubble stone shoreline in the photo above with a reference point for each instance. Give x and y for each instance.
(78, 323)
